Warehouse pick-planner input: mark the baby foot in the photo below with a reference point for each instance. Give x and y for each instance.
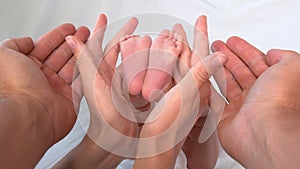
(162, 59)
(135, 51)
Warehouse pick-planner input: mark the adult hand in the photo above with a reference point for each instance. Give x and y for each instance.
(56, 60)
(244, 66)
(44, 112)
(188, 60)
(263, 106)
(207, 148)
(97, 68)
(98, 73)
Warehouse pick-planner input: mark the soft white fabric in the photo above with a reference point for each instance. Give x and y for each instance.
(265, 23)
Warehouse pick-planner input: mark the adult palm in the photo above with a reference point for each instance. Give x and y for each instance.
(45, 108)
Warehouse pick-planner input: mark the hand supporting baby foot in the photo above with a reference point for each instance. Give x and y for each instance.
(93, 151)
(202, 68)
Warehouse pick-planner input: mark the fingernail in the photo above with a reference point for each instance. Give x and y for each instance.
(71, 42)
(213, 48)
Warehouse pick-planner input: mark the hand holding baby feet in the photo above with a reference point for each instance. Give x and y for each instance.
(97, 68)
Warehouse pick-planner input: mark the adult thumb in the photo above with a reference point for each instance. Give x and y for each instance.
(274, 56)
(207, 66)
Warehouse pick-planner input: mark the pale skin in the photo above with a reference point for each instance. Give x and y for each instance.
(55, 68)
(103, 97)
(167, 49)
(134, 74)
(263, 106)
(163, 55)
(257, 121)
(139, 55)
(36, 101)
(207, 151)
(261, 126)
(88, 154)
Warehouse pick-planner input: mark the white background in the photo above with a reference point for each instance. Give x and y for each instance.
(265, 23)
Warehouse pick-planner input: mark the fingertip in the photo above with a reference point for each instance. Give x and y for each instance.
(280, 52)
(203, 18)
(103, 18)
(101, 23)
(222, 58)
(71, 42)
(84, 29)
(201, 24)
(134, 20)
(234, 40)
(82, 33)
(23, 44)
(69, 25)
(275, 55)
(28, 40)
(131, 25)
(74, 43)
(217, 45)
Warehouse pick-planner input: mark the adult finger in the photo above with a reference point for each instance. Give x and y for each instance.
(51, 40)
(200, 46)
(89, 55)
(67, 69)
(178, 108)
(23, 45)
(235, 66)
(112, 49)
(60, 56)
(86, 66)
(254, 58)
(68, 72)
(207, 66)
(95, 42)
(276, 55)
